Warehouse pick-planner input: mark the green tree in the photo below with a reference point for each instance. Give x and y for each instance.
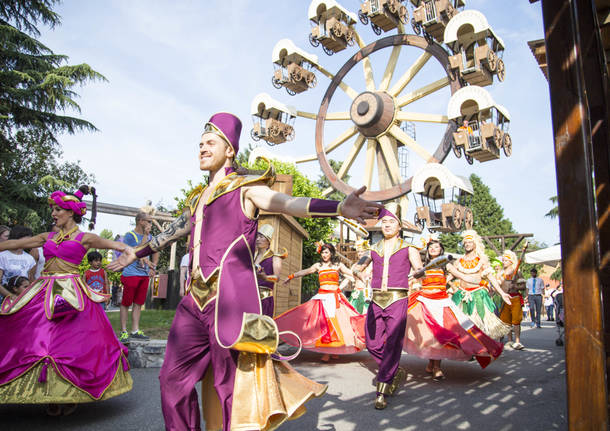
(319, 229)
(36, 90)
(323, 182)
(553, 212)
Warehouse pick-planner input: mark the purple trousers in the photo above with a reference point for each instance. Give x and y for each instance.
(385, 331)
(191, 348)
(267, 305)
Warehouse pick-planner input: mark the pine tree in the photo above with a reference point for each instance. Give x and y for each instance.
(36, 90)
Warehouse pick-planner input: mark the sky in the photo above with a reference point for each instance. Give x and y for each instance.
(170, 65)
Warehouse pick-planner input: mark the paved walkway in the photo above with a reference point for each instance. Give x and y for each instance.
(522, 390)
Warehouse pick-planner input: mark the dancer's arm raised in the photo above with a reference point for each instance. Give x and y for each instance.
(27, 242)
(177, 229)
(311, 270)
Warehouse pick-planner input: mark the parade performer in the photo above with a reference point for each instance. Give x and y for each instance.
(361, 294)
(218, 328)
(58, 347)
(512, 314)
(437, 329)
(327, 323)
(472, 296)
(268, 267)
(392, 259)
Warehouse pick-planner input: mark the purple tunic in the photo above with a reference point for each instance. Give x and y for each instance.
(267, 265)
(199, 339)
(398, 273)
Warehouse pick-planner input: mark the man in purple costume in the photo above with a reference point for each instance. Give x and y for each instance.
(386, 318)
(222, 287)
(268, 268)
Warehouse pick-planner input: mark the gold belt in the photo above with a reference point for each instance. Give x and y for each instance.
(385, 298)
(203, 291)
(265, 292)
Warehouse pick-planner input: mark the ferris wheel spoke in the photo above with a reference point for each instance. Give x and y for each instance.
(421, 117)
(309, 115)
(305, 159)
(409, 74)
(338, 116)
(389, 151)
(390, 68)
(348, 90)
(371, 147)
(422, 92)
(341, 139)
(410, 142)
(348, 162)
(366, 65)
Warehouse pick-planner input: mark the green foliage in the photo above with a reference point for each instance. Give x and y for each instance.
(557, 274)
(553, 212)
(319, 229)
(323, 182)
(36, 88)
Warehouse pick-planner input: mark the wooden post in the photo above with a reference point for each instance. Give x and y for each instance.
(569, 26)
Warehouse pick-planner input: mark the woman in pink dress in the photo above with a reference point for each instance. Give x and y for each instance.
(437, 329)
(327, 323)
(58, 347)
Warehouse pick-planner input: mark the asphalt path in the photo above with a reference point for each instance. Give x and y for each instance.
(522, 390)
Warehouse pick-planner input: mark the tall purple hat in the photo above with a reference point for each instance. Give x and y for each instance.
(227, 126)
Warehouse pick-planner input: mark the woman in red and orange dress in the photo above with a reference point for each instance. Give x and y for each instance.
(327, 323)
(437, 329)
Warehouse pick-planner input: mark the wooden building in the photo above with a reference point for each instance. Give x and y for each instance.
(289, 235)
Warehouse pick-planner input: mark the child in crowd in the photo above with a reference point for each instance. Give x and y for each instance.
(17, 285)
(95, 277)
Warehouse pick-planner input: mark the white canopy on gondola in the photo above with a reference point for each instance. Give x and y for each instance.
(287, 47)
(475, 20)
(434, 179)
(262, 104)
(318, 6)
(472, 99)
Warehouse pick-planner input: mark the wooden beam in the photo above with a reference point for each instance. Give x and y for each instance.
(569, 28)
(127, 211)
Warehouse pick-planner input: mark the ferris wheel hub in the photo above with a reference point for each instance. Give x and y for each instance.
(372, 112)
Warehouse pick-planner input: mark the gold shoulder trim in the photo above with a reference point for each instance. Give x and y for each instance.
(233, 181)
(269, 253)
(193, 198)
(400, 244)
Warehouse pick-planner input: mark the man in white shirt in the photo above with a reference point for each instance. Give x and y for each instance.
(16, 262)
(535, 287)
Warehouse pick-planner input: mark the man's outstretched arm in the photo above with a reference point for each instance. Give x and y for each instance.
(353, 206)
(176, 230)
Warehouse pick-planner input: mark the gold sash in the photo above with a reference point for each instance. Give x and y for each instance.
(385, 298)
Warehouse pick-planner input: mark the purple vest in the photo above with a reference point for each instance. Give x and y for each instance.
(267, 265)
(223, 222)
(398, 272)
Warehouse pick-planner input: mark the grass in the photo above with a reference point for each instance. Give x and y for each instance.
(154, 323)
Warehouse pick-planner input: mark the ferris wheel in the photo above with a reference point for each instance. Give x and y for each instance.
(461, 42)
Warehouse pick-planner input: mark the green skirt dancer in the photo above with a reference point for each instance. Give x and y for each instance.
(479, 307)
(359, 301)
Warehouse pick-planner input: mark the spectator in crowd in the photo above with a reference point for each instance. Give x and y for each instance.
(136, 278)
(17, 285)
(4, 232)
(16, 262)
(95, 276)
(184, 267)
(548, 303)
(535, 287)
(526, 309)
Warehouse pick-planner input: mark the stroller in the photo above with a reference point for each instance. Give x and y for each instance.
(559, 318)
